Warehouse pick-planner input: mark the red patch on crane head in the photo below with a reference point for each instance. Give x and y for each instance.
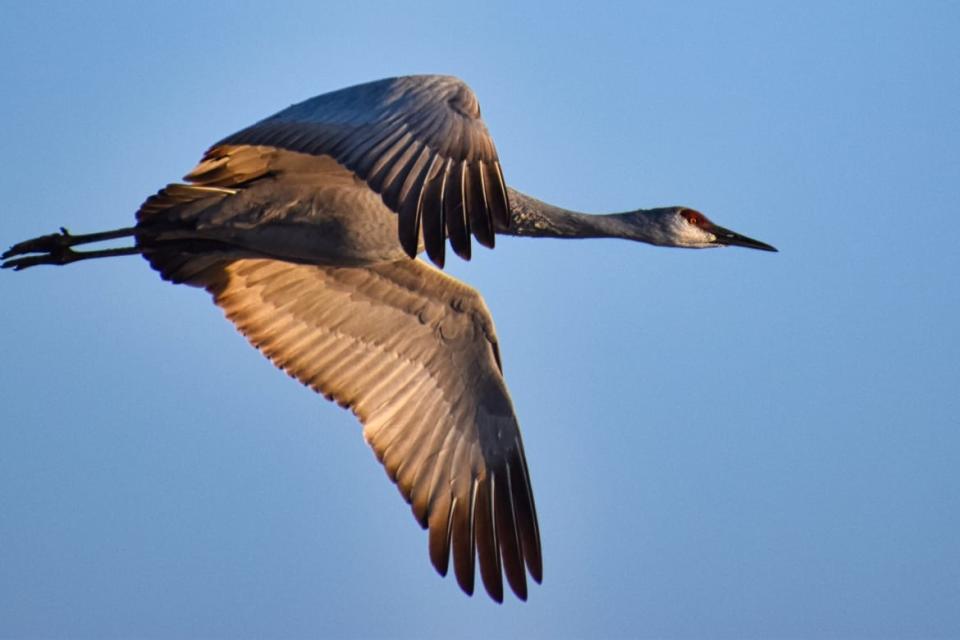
(695, 218)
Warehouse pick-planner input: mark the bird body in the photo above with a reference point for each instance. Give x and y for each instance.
(304, 228)
(302, 208)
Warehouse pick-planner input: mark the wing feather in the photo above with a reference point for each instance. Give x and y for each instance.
(464, 542)
(507, 529)
(430, 209)
(454, 210)
(476, 200)
(411, 352)
(488, 546)
(377, 130)
(441, 532)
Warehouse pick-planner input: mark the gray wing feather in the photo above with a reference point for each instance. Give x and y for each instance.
(412, 352)
(391, 133)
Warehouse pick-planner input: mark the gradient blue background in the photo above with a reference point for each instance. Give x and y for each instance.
(723, 443)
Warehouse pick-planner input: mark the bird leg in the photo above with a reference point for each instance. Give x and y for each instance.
(55, 248)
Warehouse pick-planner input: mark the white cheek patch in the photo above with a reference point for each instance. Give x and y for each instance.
(693, 236)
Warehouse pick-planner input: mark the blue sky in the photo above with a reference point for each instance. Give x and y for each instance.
(722, 443)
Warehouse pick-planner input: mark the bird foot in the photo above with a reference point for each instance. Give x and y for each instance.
(54, 249)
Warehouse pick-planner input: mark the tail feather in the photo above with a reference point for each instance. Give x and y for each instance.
(179, 203)
(176, 208)
(179, 265)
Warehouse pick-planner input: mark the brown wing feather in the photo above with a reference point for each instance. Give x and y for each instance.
(412, 352)
(232, 166)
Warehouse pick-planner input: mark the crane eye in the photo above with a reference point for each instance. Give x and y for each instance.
(693, 217)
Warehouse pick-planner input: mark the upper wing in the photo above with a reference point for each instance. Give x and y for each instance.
(418, 141)
(412, 353)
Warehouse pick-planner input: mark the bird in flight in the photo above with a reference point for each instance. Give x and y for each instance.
(305, 228)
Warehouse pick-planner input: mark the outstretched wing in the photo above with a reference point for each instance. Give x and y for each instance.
(412, 352)
(418, 141)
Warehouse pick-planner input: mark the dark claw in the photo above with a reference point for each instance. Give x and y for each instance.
(43, 244)
(54, 246)
(63, 256)
(22, 263)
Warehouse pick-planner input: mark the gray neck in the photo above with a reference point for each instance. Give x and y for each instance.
(532, 217)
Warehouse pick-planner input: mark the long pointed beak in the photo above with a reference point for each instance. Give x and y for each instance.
(729, 238)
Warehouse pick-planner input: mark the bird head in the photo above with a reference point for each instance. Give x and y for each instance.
(685, 227)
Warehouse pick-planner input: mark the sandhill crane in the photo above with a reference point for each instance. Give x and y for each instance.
(302, 227)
